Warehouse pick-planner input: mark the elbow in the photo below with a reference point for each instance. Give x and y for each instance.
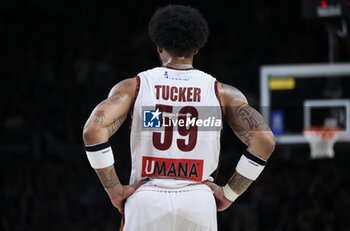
(263, 144)
(89, 132)
(86, 134)
(270, 143)
(94, 134)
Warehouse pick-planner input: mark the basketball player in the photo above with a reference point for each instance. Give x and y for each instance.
(178, 158)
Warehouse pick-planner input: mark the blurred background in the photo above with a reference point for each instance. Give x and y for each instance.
(60, 59)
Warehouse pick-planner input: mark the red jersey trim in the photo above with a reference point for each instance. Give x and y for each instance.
(216, 171)
(137, 89)
(138, 82)
(179, 69)
(218, 97)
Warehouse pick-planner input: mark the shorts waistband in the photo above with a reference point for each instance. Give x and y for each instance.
(186, 188)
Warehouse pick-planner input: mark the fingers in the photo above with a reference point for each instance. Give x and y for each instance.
(214, 187)
(210, 184)
(221, 201)
(217, 190)
(119, 204)
(130, 189)
(126, 191)
(138, 184)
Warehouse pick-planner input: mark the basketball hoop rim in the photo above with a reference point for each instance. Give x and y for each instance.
(327, 133)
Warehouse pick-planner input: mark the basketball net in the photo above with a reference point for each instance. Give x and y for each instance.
(322, 140)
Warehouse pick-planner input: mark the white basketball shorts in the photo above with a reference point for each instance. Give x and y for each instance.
(153, 208)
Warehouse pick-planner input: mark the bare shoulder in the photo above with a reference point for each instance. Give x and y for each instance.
(230, 95)
(124, 87)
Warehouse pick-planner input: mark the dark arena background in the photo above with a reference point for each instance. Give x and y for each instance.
(59, 59)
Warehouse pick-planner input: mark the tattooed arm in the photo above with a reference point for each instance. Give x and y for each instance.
(250, 127)
(247, 123)
(104, 121)
(108, 116)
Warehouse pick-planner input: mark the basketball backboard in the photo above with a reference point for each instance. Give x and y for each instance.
(295, 96)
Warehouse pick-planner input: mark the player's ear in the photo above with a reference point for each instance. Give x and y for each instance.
(160, 50)
(195, 51)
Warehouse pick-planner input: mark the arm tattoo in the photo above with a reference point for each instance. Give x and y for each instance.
(109, 179)
(99, 116)
(242, 133)
(249, 115)
(234, 92)
(115, 98)
(115, 125)
(239, 183)
(127, 83)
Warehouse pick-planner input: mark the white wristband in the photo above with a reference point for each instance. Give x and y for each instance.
(250, 166)
(100, 155)
(229, 193)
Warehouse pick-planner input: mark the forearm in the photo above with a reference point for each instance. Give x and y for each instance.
(248, 169)
(108, 177)
(115, 190)
(260, 146)
(101, 158)
(110, 181)
(239, 183)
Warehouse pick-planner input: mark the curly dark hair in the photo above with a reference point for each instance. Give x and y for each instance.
(178, 28)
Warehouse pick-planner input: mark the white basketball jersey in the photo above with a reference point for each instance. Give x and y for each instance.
(176, 125)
